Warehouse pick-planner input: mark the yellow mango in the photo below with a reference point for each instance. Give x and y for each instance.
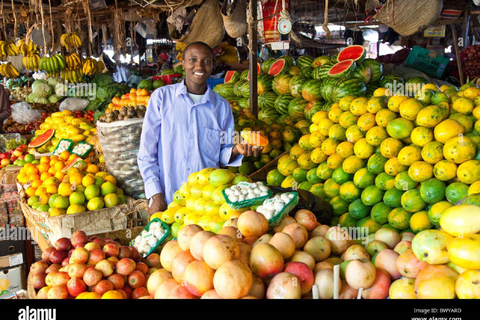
(462, 219)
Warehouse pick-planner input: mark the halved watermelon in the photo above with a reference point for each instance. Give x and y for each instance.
(355, 52)
(231, 76)
(42, 139)
(76, 161)
(281, 66)
(343, 68)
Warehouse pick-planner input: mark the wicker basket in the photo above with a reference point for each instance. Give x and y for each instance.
(207, 26)
(47, 107)
(235, 22)
(408, 17)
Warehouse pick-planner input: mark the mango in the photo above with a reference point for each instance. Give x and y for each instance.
(431, 246)
(461, 219)
(220, 177)
(464, 251)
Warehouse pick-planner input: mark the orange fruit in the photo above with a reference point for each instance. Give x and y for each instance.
(43, 167)
(52, 170)
(95, 203)
(52, 189)
(75, 179)
(92, 168)
(71, 157)
(34, 176)
(65, 189)
(30, 191)
(107, 188)
(45, 159)
(31, 169)
(92, 191)
(111, 178)
(59, 175)
(40, 191)
(36, 183)
(58, 166)
(77, 198)
(64, 155)
(111, 200)
(88, 180)
(73, 170)
(45, 175)
(112, 294)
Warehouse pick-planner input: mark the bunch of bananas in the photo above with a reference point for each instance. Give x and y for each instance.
(70, 40)
(25, 49)
(53, 65)
(31, 61)
(92, 67)
(8, 70)
(72, 76)
(74, 61)
(8, 48)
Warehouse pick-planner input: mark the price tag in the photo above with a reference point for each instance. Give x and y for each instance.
(15, 260)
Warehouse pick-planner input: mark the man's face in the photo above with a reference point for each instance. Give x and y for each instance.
(198, 64)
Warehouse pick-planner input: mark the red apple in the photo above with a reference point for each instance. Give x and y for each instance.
(58, 292)
(53, 267)
(103, 286)
(90, 246)
(38, 280)
(111, 250)
(78, 237)
(46, 253)
(118, 280)
(5, 162)
(134, 255)
(128, 290)
(75, 286)
(125, 266)
(105, 268)
(63, 244)
(38, 267)
(100, 241)
(153, 260)
(80, 255)
(96, 256)
(125, 252)
(57, 256)
(140, 292)
(77, 270)
(142, 266)
(65, 262)
(303, 273)
(92, 276)
(43, 293)
(113, 261)
(136, 279)
(60, 277)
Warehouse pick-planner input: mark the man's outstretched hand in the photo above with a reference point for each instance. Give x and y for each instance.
(158, 204)
(247, 150)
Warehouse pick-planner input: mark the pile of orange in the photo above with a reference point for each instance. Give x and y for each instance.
(82, 187)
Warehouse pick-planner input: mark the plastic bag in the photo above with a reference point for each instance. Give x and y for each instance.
(120, 141)
(73, 104)
(23, 113)
(322, 209)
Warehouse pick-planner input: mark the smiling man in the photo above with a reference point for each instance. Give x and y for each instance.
(184, 131)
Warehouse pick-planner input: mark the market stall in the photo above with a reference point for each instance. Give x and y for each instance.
(366, 188)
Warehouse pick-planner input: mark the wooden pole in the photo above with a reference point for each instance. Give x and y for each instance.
(252, 38)
(457, 53)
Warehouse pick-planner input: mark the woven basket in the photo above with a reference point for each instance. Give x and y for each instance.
(235, 21)
(408, 17)
(207, 26)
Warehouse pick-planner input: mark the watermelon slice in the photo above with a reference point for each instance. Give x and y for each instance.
(73, 163)
(355, 52)
(343, 68)
(42, 139)
(281, 66)
(231, 76)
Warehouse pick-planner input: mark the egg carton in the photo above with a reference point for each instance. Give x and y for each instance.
(278, 207)
(151, 237)
(244, 194)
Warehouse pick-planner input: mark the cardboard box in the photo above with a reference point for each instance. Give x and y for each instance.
(12, 280)
(11, 260)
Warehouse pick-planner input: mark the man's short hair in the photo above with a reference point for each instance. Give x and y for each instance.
(198, 43)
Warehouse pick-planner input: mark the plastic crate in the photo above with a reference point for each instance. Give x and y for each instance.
(427, 61)
(212, 82)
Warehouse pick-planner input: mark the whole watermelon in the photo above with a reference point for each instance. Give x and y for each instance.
(304, 61)
(311, 90)
(281, 83)
(296, 108)
(363, 72)
(157, 84)
(348, 86)
(376, 68)
(282, 102)
(266, 100)
(296, 84)
(145, 84)
(313, 107)
(264, 83)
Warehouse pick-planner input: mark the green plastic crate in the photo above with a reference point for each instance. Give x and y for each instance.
(426, 61)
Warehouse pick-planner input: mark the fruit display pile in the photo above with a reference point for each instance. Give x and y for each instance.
(67, 184)
(92, 267)
(470, 59)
